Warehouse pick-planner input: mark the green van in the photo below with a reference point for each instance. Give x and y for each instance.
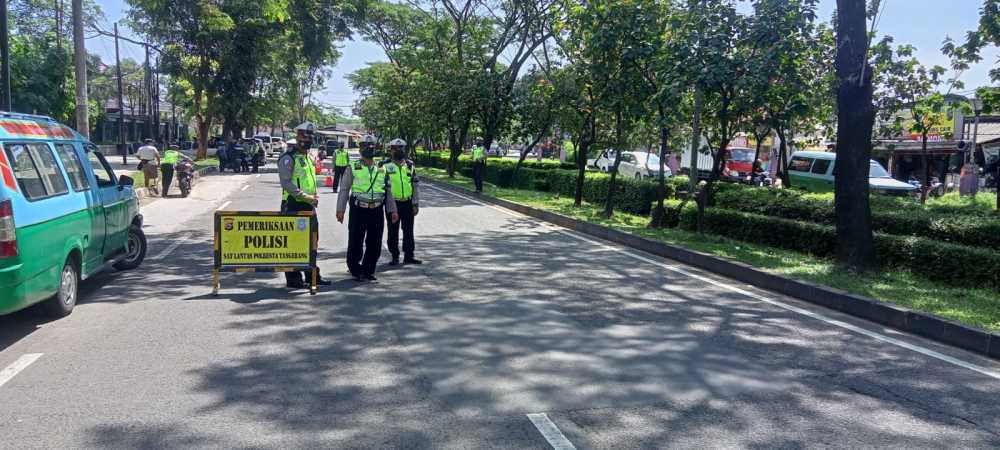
(64, 215)
(813, 171)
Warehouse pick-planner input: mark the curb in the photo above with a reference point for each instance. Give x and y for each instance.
(143, 193)
(896, 317)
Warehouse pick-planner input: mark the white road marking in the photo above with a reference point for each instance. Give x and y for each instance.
(224, 205)
(257, 176)
(838, 323)
(170, 248)
(550, 432)
(23, 362)
(244, 187)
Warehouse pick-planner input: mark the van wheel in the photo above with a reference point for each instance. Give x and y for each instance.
(61, 304)
(136, 250)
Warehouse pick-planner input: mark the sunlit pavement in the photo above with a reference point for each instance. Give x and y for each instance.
(507, 318)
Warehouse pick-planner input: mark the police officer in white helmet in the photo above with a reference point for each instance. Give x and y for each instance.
(366, 187)
(404, 182)
(298, 184)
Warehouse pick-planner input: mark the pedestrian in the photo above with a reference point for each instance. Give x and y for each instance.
(404, 182)
(368, 190)
(170, 159)
(340, 162)
(149, 162)
(222, 154)
(478, 164)
(298, 184)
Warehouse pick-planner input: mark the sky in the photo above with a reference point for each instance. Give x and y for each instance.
(921, 23)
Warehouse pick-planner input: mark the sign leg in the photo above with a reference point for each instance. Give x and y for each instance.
(312, 285)
(215, 282)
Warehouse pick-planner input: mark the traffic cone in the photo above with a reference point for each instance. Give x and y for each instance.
(329, 181)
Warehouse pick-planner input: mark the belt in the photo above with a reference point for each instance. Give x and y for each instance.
(366, 205)
(403, 199)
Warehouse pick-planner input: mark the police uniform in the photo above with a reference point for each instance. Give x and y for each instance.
(368, 190)
(298, 181)
(478, 166)
(170, 158)
(404, 186)
(340, 163)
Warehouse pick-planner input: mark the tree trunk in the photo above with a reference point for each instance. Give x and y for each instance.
(659, 214)
(589, 135)
(855, 118)
(620, 144)
(80, 61)
(927, 168)
(695, 141)
(786, 182)
(527, 149)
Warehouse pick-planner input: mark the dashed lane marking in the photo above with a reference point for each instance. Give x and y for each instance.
(170, 248)
(22, 363)
(224, 205)
(245, 186)
(550, 432)
(837, 323)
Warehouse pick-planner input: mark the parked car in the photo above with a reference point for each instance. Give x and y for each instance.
(278, 146)
(64, 215)
(265, 140)
(813, 171)
(636, 165)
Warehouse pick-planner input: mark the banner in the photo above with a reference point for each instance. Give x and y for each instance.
(260, 241)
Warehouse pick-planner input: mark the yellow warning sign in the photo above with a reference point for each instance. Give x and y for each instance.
(265, 240)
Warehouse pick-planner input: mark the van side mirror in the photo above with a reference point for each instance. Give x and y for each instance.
(125, 180)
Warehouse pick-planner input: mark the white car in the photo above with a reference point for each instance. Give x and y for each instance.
(636, 165)
(278, 146)
(265, 140)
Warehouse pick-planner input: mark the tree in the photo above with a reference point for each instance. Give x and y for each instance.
(906, 85)
(855, 120)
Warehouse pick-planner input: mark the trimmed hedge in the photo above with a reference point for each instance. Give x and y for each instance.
(634, 196)
(967, 229)
(941, 261)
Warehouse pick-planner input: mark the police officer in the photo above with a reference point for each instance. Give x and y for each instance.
(340, 162)
(170, 159)
(367, 189)
(478, 164)
(404, 182)
(298, 184)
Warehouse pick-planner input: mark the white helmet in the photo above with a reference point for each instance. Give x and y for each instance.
(306, 127)
(397, 143)
(369, 139)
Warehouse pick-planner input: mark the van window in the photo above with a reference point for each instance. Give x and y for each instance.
(52, 175)
(821, 166)
(28, 178)
(74, 167)
(800, 164)
(101, 171)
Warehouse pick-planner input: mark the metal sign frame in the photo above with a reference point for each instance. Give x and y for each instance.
(218, 267)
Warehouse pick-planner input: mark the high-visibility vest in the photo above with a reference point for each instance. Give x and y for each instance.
(369, 182)
(171, 157)
(478, 154)
(303, 175)
(401, 179)
(342, 158)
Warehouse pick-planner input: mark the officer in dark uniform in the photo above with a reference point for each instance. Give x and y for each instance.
(366, 187)
(298, 184)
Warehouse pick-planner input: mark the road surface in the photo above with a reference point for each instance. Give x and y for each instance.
(513, 335)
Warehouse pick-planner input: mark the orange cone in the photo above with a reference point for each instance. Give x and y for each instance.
(329, 181)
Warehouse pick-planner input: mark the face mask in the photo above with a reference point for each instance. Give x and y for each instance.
(368, 152)
(397, 154)
(305, 145)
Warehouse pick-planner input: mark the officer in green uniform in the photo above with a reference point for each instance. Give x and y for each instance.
(298, 184)
(340, 162)
(170, 159)
(404, 182)
(367, 189)
(478, 164)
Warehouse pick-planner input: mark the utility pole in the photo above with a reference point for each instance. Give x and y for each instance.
(80, 59)
(6, 102)
(149, 96)
(59, 25)
(121, 106)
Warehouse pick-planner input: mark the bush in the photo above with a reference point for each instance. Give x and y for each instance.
(949, 263)
(634, 196)
(889, 215)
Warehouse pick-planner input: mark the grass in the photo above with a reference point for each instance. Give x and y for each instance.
(971, 306)
(140, 178)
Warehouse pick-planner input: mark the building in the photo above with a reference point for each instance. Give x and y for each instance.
(347, 138)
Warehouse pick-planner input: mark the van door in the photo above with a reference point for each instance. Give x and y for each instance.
(800, 173)
(114, 204)
(822, 178)
(84, 184)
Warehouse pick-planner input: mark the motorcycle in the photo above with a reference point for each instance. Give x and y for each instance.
(237, 160)
(185, 174)
(760, 180)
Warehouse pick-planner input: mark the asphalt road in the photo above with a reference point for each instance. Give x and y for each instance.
(605, 348)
